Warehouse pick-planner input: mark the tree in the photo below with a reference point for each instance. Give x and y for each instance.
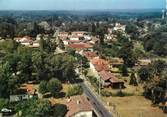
(54, 86)
(74, 90)
(71, 51)
(4, 78)
(127, 54)
(133, 80)
(13, 62)
(60, 110)
(3, 103)
(144, 74)
(82, 60)
(155, 86)
(26, 67)
(43, 87)
(61, 44)
(124, 70)
(42, 44)
(34, 108)
(62, 67)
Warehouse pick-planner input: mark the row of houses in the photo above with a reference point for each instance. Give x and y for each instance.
(101, 70)
(27, 41)
(73, 35)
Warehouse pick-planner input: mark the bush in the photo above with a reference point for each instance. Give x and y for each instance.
(3, 103)
(43, 87)
(74, 90)
(122, 94)
(106, 93)
(60, 110)
(54, 86)
(93, 81)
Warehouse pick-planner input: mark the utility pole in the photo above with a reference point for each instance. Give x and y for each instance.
(166, 7)
(164, 11)
(81, 67)
(99, 86)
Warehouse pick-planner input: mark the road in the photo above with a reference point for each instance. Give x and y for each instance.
(97, 105)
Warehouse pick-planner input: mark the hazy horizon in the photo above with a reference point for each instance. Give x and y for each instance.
(79, 5)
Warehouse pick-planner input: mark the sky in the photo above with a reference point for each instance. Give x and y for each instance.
(80, 4)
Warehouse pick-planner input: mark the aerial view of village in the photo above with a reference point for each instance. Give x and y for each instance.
(83, 58)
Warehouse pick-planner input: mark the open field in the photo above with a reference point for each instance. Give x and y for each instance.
(134, 106)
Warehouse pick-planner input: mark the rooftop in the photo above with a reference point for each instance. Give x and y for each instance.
(100, 64)
(80, 45)
(77, 104)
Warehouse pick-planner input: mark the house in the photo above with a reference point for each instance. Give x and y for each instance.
(109, 80)
(79, 106)
(19, 97)
(119, 27)
(110, 38)
(67, 42)
(87, 37)
(26, 40)
(144, 62)
(81, 46)
(38, 37)
(94, 40)
(63, 35)
(89, 55)
(74, 37)
(34, 45)
(78, 33)
(25, 92)
(97, 65)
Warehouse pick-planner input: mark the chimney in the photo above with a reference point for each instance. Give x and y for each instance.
(69, 99)
(78, 102)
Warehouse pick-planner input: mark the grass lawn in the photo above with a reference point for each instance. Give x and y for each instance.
(134, 106)
(60, 99)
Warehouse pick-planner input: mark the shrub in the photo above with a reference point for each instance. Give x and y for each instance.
(122, 94)
(74, 90)
(54, 86)
(43, 87)
(60, 110)
(106, 93)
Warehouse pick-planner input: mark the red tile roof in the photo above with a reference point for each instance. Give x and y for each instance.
(77, 104)
(29, 88)
(90, 55)
(105, 75)
(100, 64)
(80, 45)
(73, 41)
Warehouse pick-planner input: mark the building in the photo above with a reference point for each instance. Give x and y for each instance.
(63, 35)
(97, 65)
(34, 45)
(81, 47)
(25, 92)
(78, 33)
(109, 80)
(90, 55)
(119, 27)
(79, 106)
(26, 40)
(74, 37)
(67, 42)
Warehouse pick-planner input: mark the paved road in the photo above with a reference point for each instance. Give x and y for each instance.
(100, 109)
